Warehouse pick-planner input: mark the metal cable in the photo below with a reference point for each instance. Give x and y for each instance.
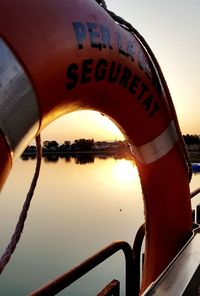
(22, 218)
(158, 70)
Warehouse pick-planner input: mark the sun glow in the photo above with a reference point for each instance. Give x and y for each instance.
(107, 125)
(87, 124)
(124, 171)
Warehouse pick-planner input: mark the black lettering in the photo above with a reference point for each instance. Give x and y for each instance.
(125, 77)
(159, 89)
(72, 75)
(144, 66)
(94, 35)
(101, 69)
(147, 102)
(155, 109)
(80, 32)
(148, 70)
(106, 39)
(130, 50)
(134, 84)
(114, 72)
(141, 61)
(154, 78)
(86, 70)
(143, 90)
(120, 46)
(156, 83)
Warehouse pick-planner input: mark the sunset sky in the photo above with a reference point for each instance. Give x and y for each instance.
(172, 29)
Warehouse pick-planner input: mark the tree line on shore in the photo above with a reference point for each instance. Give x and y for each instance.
(86, 145)
(191, 139)
(89, 145)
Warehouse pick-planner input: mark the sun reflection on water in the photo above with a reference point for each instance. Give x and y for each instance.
(124, 171)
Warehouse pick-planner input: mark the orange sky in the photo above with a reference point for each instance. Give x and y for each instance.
(172, 29)
(82, 124)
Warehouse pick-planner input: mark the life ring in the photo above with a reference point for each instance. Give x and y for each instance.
(61, 56)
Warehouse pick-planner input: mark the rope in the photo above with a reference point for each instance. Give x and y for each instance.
(157, 68)
(102, 3)
(195, 192)
(20, 225)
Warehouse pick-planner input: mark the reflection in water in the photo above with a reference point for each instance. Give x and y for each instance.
(80, 158)
(76, 211)
(125, 172)
(51, 158)
(27, 157)
(84, 158)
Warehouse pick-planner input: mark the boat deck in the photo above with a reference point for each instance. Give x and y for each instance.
(182, 277)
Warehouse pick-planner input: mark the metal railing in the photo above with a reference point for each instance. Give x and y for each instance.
(132, 266)
(196, 212)
(132, 270)
(195, 192)
(112, 289)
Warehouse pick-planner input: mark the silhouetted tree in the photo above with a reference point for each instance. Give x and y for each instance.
(191, 139)
(50, 145)
(83, 145)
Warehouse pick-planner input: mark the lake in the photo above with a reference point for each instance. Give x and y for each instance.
(78, 208)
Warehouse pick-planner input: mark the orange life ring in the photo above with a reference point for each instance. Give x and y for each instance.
(61, 56)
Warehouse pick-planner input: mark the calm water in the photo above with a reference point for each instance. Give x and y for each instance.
(77, 209)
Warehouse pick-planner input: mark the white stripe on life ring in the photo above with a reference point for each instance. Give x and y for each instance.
(19, 114)
(157, 148)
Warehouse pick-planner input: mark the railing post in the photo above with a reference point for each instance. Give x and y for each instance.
(198, 214)
(136, 257)
(193, 216)
(66, 279)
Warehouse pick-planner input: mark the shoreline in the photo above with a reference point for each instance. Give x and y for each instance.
(194, 155)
